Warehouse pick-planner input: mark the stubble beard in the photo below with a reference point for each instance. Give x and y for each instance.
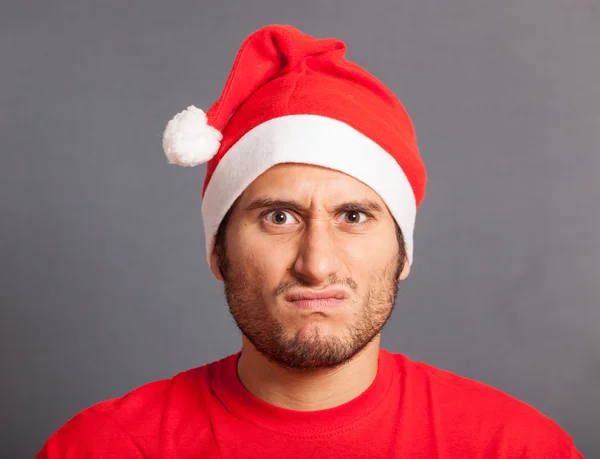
(311, 350)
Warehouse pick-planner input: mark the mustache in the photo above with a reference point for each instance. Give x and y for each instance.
(333, 280)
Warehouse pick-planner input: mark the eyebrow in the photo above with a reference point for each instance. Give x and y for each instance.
(361, 205)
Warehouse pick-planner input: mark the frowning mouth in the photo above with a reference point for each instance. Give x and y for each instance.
(317, 299)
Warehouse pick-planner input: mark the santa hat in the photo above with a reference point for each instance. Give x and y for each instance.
(293, 98)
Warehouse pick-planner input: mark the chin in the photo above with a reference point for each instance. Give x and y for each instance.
(318, 332)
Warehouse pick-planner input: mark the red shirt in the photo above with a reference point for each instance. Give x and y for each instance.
(411, 410)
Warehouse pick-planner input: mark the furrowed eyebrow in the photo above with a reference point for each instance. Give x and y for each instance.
(364, 205)
(268, 203)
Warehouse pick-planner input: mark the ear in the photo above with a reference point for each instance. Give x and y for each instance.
(405, 270)
(214, 266)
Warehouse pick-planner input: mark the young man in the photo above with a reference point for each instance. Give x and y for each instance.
(309, 203)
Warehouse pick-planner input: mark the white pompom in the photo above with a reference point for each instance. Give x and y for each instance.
(188, 140)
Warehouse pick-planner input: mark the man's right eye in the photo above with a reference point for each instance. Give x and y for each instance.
(279, 217)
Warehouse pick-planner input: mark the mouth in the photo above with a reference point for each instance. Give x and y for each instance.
(317, 299)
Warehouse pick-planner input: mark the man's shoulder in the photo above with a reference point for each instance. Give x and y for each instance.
(467, 387)
(470, 394)
(150, 398)
(122, 421)
(460, 402)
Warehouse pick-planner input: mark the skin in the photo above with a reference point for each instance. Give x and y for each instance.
(307, 228)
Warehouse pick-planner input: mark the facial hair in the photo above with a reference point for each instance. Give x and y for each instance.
(313, 350)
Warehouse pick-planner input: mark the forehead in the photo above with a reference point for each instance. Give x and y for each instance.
(305, 182)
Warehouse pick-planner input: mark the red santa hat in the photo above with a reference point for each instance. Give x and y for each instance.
(293, 98)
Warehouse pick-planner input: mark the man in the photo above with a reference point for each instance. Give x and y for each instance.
(313, 182)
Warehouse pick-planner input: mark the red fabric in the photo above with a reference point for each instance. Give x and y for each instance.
(281, 71)
(411, 410)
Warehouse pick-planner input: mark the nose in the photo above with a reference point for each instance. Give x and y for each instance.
(318, 257)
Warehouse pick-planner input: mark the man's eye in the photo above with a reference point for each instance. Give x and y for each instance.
(279, 217)
(354, 216)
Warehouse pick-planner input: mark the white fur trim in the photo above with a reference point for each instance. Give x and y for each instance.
(188, 140)
(308, 139)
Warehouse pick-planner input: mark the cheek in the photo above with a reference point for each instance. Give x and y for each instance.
(370, 254)
(262, 259)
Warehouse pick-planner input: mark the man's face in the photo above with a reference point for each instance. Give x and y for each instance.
(310, 264)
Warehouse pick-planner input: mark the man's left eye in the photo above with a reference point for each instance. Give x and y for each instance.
(354, 217)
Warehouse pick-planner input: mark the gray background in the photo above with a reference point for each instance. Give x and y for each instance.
(104, 284)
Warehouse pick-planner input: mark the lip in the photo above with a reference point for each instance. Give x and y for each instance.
(317, 299)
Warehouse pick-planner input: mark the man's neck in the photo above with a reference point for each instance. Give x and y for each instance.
(310, 390)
